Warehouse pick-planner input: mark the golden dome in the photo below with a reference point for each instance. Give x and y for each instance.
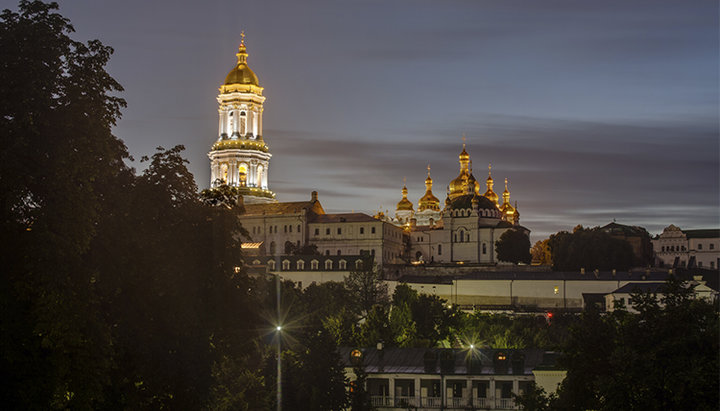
(490, 194)
(241, 74)
(404, 204)
(428, 201)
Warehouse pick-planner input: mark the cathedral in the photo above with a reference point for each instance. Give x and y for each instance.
(462, 230)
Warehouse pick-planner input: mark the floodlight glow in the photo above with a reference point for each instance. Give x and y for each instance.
(278, 328)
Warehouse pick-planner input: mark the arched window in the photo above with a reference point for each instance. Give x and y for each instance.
(300, 265)
(286, 265)
(256, 262)
(358, 264)
(271, 265)
(314, 264)
(342, 265)
(259, 177)
(243, 120)
(242, 174)
(328, 264)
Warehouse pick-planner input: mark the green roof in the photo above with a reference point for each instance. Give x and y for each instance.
(706, 233)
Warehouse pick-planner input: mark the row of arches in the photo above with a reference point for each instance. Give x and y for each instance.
(314, 265)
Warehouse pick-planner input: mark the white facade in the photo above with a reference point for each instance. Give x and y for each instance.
(239, 157)
(682, 248)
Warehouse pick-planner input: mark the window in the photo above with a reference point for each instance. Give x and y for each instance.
(256, 262)
(712, 264)
(455, 239)
(372, 252)
(314, 264)
(327, 231)
(327, 252)
(362, 230)
(300, 265)
(372, 230)
(299, 230)
(439, 249)
(342, 265)
(556, 290)
(699, 246)
(272, 247)
(663, 248)
(285, 265)
(271, 265)
(468, 237)
(358, 264)
(712, 246)
(338, 252)
(285, 229)
(700, 264)
(317, 231)
(328, 264)
(276, 229)
(339, 230)
(484, 248)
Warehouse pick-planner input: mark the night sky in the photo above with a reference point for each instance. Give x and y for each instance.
(594, 110)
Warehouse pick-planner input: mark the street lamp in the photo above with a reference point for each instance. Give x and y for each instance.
(279, 369)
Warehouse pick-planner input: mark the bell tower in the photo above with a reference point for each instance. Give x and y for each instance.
(239, 157)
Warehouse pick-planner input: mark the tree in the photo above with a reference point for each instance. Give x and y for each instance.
(514, 247)
(589, 248)
(541, 252)
(366, 288)
(58, 159)
(664, 357)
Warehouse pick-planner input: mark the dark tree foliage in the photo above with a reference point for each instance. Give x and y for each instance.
(366, 289)
(666, 357)
(58, 159)
(513, 246)
(118, 291)
(589, 248)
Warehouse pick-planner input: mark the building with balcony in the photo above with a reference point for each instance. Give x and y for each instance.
(450, 379)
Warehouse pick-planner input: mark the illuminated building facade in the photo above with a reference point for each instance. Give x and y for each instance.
(463, 231)
(466, 229)
(240, 157)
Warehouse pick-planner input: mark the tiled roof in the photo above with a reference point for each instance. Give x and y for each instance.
(413, 360)
(283, 208)
(342, 218)
(640, 287)
(706, 233)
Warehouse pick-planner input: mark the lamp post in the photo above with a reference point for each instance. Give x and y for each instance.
(278, 331)
(279, 370)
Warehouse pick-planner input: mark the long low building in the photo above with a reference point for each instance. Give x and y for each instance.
(450, 379)
(528, 290)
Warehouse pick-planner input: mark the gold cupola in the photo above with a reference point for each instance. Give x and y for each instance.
(241, 73)
(428, 201)
(490, 194)
(404, 204)
(508, 211)
(459, 184)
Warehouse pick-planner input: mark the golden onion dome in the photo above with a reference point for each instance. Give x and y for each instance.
(457, 186)
(241, 74)
(428, 201)
(404, 204)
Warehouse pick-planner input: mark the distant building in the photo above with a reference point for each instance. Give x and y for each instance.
(637, 237)
(623, 295)
(451, 379)
(687, 248)
(464, 231)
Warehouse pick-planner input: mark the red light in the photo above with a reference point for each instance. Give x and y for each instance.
(550, 315)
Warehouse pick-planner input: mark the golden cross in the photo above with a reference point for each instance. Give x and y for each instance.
(242, 34)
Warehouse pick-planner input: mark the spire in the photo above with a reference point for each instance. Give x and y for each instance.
(506, 193)
(490, 194)
(242, 54)
(404, 203)
(428, 201)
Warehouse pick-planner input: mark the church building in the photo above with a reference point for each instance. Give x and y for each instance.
(462, 231)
